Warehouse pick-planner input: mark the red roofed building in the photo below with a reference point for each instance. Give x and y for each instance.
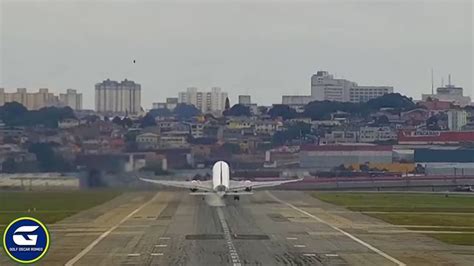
(436, 105)
(434, 137)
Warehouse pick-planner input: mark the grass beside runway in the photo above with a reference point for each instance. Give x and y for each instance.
(426, 212)
(49, 206)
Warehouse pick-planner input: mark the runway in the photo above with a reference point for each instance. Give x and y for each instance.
(267, 228)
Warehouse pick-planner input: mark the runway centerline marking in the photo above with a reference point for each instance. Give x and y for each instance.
(156, 254)
(291, 238)
(161, 246)
(299, 246)
(356, 239)
(133, 254)
(106, 233)
(230, 246)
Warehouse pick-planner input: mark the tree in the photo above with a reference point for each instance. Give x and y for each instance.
(283, 111)
(231, 148)
(15, 114)
(382, 121)
(296, 131)
(391, 100)
(48, 160)
(148, 121)
(321, 110)
(160, 112)
(263, 110)
(127, 122)
(91, 118)
(227, 103)
(117, 121)
(432, 123)
(9, 166)
(185, 111)
(237, 110)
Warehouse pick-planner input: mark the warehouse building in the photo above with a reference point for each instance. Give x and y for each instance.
(444, 155)
(326, 157)
(447, 161)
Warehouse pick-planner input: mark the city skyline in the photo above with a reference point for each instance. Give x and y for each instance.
(167, 47)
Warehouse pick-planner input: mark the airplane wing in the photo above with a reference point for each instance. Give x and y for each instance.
(194, 184)
(247, 184)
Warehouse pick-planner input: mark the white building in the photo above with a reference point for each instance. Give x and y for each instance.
(68, 123)
(325, 87)
(72, 99)
(373, 134)
(245, 99)
(457, 119)
(148, 141)
(197, 130)
(267, 127)
(118, 98)
(207, 102)
(296, 102)
(170, 104)
(173, 141)
(449, 93)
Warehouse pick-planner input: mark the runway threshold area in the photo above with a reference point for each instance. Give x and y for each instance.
(277, 228)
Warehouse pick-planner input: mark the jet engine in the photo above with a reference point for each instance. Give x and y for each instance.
(248, 188)
(194, 182)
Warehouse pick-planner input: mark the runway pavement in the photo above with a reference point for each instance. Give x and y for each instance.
(267, 228)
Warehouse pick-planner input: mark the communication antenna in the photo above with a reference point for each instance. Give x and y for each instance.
(432, 82)
(449, 79)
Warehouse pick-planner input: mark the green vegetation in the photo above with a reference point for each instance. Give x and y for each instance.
(321, 110)
(238, 110)
(182, 111)
(455, 239)
(421, 212)
(296, 131)
(15, 114)
(49, 206)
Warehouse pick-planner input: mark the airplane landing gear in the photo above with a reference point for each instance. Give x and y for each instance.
(236, 197)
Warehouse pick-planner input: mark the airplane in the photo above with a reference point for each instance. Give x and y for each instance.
(220, 184)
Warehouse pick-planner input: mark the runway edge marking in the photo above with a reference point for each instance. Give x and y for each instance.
(356, 239)
(106, 233)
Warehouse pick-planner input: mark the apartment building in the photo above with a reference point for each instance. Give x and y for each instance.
(118, 97)
(31, 100)
(208, 102)
(325, 87)
(72, 99)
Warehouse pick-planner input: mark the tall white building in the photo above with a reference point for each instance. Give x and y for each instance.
(449, 93)
(325, 87)
(118, 98)
(457, 119)
(207, 102)
(72, 99)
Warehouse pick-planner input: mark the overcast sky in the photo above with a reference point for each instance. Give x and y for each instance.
(265, 48)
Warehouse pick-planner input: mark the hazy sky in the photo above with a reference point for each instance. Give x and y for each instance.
(262, 48)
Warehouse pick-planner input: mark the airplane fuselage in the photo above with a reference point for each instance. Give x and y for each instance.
(220, 178)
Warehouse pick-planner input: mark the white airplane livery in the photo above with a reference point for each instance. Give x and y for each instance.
(220, 184)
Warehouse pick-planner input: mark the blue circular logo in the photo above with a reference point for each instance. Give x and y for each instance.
(26, 240)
